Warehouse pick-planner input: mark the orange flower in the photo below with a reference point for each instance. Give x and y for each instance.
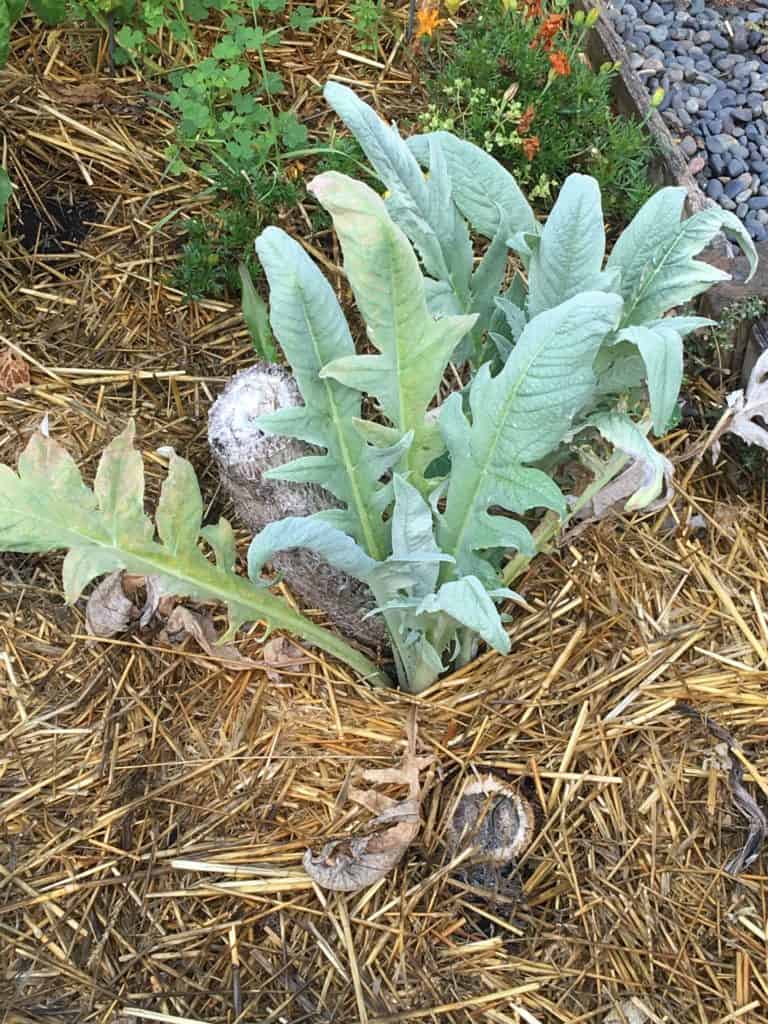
(532, 8)
(560, 63)
(524, 124)
(531, 146)
(547, 31)
(427, 20)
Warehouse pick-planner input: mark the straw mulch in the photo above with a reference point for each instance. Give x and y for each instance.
(154, 808)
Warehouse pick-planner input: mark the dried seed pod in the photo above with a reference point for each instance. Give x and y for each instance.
(495, 818)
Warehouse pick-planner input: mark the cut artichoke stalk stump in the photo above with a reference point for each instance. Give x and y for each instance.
(499, 822)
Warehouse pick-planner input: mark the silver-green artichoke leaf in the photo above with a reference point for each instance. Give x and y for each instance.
(414, 348)
(46, 506)
(480, 186)
(517, 418)
(308, 322)
(655, 255)
(422, 207)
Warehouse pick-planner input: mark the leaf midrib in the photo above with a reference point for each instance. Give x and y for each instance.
(645, 285)
(371, 541)
(483, 471)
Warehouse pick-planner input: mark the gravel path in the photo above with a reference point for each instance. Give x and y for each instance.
(712, 63)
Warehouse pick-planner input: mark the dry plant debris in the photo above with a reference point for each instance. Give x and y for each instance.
(354, 863)
(153, 804)
(747, 412)
(730, 755)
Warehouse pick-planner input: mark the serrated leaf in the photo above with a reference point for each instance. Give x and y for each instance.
(179, 512)
(423, 209)
(385, 277)
(413, 535)
(480, 186)
(570, 251)
(47, 506)
(519, 416)
(661, 348)
(84, 564)
(221, 537)
(119, 489)
(310, 326)
(44, 501)
(654, 255)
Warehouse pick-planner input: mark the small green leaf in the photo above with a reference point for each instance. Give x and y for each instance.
(221, 537)
(196, 9)
(249, 37)
(180, 508)
(130, 39)
(237, 76)
(5, 45)
(272, 83)
(294, 135)
(256, 316)
(6, 189)
(227, 49)
(119, 489)
(50, 12)
(302, 18)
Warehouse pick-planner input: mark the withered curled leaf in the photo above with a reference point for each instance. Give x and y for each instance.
(282, 657)
(355, 862)
(747, 411)
(348, 865)
(109, 610)
(182, 623)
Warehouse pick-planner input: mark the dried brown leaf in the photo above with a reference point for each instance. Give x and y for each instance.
(348, 865)
(281, 656)
(156, 601)
(183, 623)
(14, 372)
(354, 863)
(84, 93)
(108, 610)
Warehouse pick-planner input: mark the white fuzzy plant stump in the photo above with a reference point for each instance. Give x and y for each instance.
(243, 454)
